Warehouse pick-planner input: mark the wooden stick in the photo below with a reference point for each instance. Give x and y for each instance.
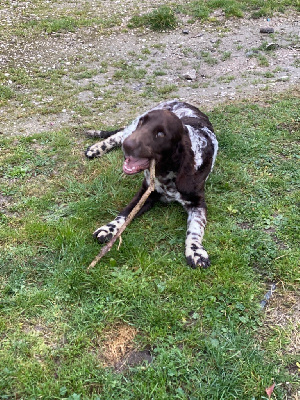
(130, 217)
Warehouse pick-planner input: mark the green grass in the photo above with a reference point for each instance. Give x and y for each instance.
(127, 72)
(208, 58)
(62, 24)
(226, 78)
(205, 329)
(6, 93)
(153, 91)
(162, 18)
(262, 60)
(201, 9)
(53, 25)
(226, 55)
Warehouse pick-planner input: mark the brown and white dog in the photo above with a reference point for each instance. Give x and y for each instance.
(181, 140)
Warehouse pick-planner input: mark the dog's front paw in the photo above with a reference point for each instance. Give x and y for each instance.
(106, 232)
(96, 150)
(196, 256)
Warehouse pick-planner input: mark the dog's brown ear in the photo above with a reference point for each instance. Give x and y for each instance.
(142, 120)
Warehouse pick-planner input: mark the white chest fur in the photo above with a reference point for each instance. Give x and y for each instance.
(166, 187)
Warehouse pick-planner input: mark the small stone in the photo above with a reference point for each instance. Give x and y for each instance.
(266, 30)
(190, 75)
(251, 53)
(137, 87)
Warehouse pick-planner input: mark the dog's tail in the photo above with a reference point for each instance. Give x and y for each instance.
(102, 134)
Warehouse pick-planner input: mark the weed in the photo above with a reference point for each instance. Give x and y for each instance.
(217, 43)
(85, 74)
(162, 18)
(187, 51)
(104, 67)
(207, 57)
(159, 46)
(232, 8)
(59, 25)
(159, 72)
(166, 89)
(146, 51)
(297, 63)
(226, 55)
(6, 93)
(256, 82)
(160, 91)
(226, 78)
(269, 74)
(262, 60)
(198, 9)
(129, 72)
(62, 24)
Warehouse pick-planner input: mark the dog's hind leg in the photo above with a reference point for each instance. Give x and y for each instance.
(100, 148)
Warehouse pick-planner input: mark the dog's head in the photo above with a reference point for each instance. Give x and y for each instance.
(156, 136)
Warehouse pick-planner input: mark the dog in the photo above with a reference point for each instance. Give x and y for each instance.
(181, 139)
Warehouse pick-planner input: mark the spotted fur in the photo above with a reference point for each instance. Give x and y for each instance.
(106, 232)
(181, 140)
(100, 148)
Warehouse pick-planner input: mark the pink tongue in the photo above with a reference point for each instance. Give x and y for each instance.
(134, 165)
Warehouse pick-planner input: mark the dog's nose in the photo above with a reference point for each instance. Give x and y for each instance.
(129, 146)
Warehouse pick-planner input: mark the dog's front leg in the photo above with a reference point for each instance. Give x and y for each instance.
(100, 148)
(195, 253)
(106, 232)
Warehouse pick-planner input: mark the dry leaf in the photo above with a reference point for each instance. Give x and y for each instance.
(269, 390)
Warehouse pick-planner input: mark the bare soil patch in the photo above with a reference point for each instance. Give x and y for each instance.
(118, 349)
(118, 342)
(284, 312)
(211, 63)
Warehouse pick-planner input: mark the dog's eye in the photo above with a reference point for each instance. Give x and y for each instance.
(160, 134)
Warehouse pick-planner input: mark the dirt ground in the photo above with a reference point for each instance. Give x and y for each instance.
(206, 63)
